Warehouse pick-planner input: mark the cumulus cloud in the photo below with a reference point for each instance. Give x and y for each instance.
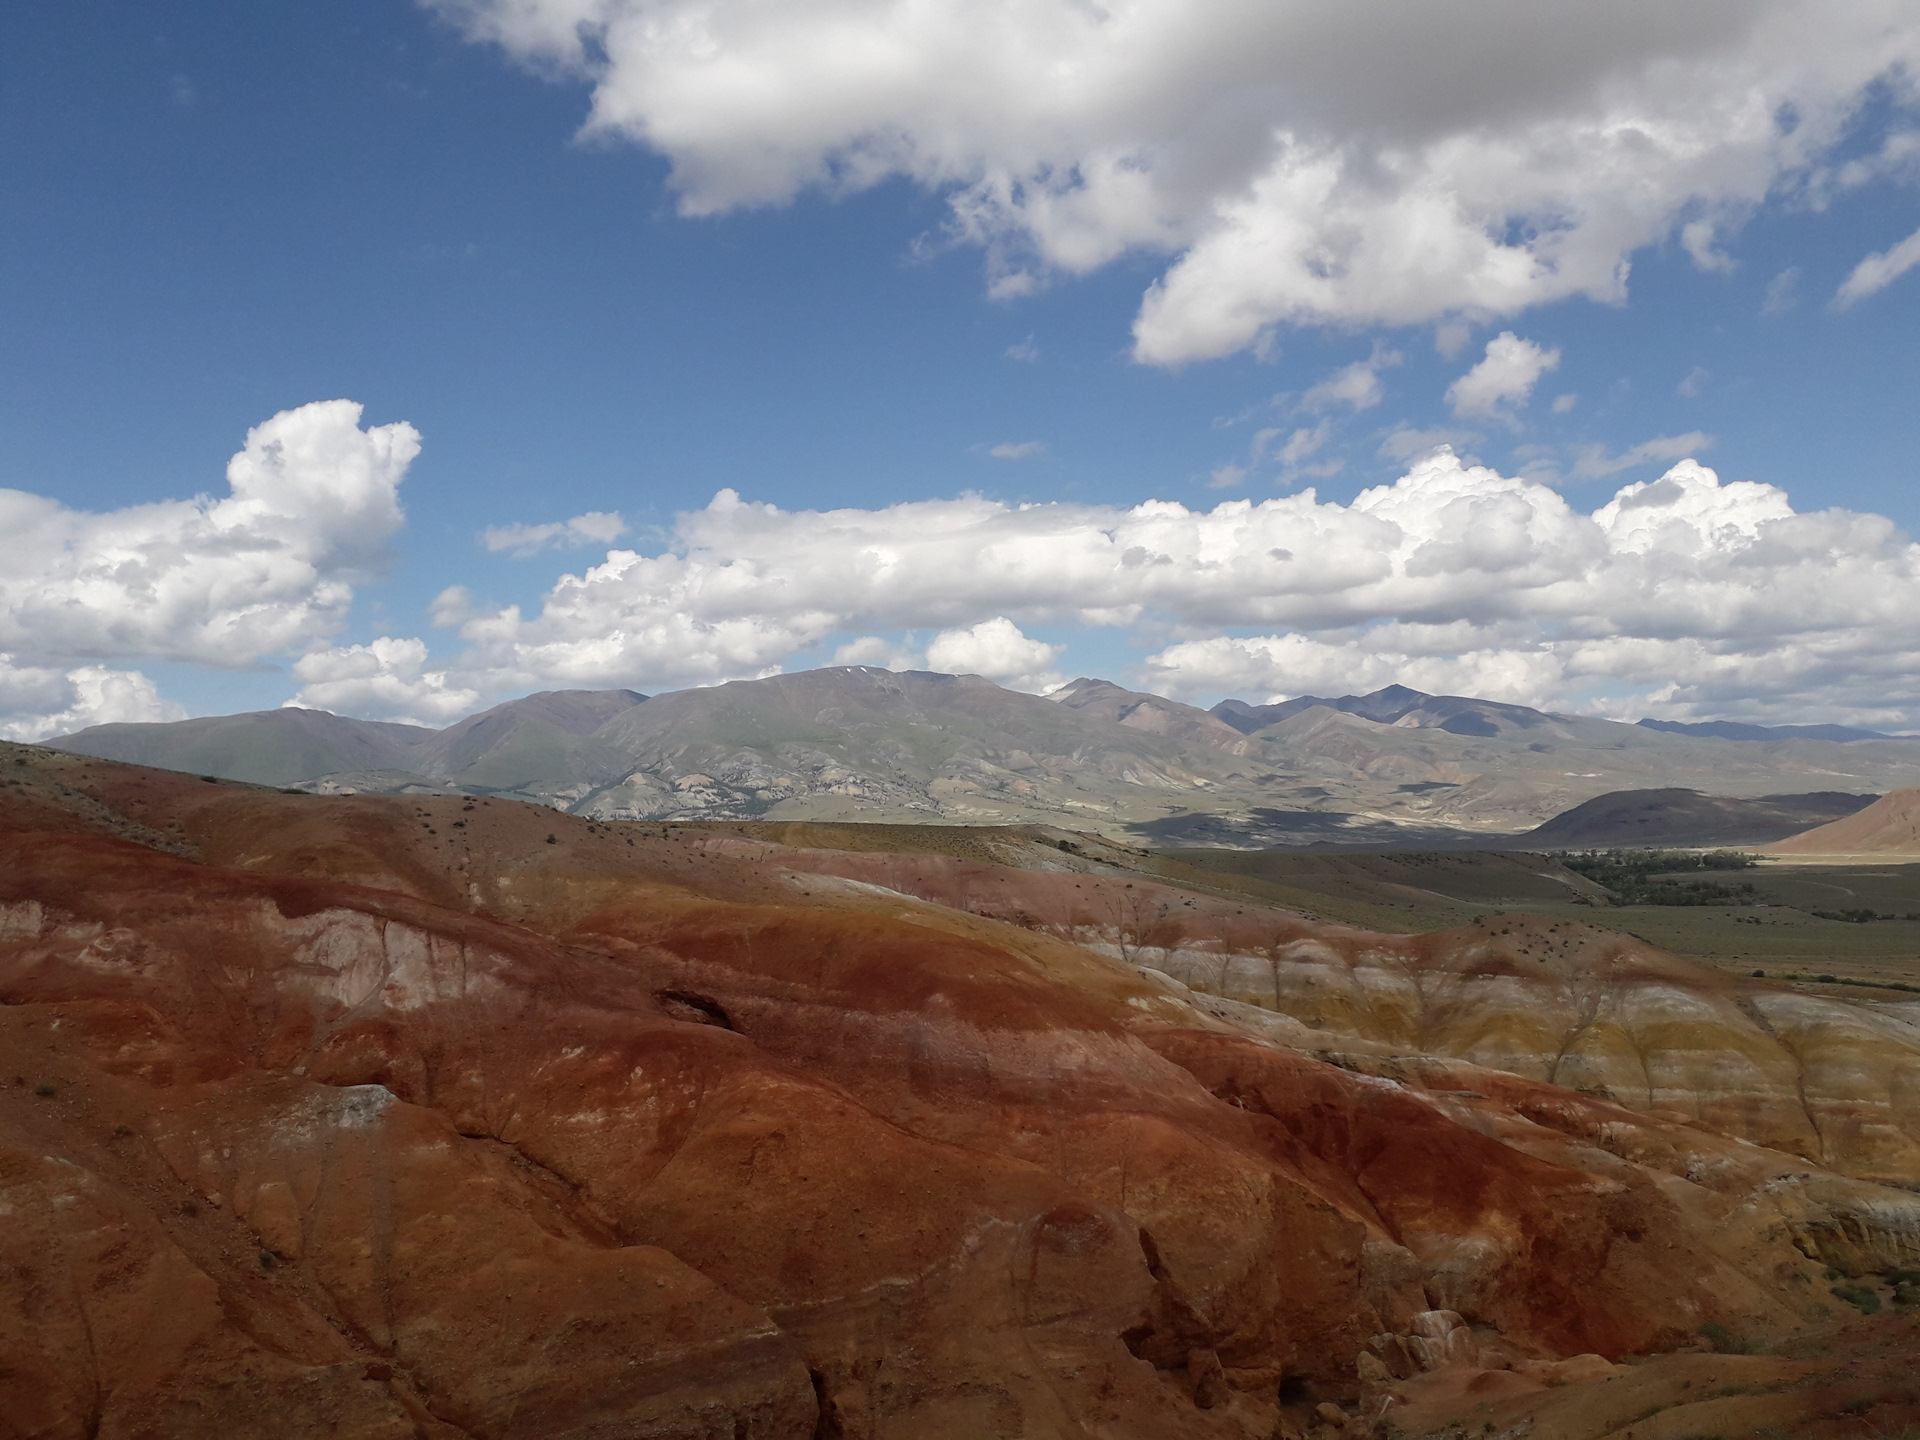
(37, 702)
(596, 527)
(386, 679)
(1877, 271)
(1668, 596)
(1278, 667)
(1673, 580)
(1502, 382)
(1453, 577)
(266, 569)
(998, 650)
(1298, 164)
(1017, 449)
(876, 651)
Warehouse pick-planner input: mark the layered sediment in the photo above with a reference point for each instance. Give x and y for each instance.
(421, 1116)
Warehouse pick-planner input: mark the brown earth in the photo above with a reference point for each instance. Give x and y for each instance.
(1889, 826)
(390, 1115)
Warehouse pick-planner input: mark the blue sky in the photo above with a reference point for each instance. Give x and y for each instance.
(215, 214)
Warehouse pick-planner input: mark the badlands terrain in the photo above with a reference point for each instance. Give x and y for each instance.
(1393, 768)
(443, 1115)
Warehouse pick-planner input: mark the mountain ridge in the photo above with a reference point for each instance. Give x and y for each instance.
(862, 743)
(1740, 730)
(1682, 818)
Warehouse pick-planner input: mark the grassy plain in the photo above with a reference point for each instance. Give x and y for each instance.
(1412, 891)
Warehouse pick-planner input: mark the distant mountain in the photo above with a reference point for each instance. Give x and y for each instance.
(1889, 826)
(1735, 730)
(1153, 714)
(531, 742)
(1395, 705)
(1686, 818)
(1396, 767)
(265, 747)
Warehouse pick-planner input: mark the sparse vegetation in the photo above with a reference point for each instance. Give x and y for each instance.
(1653, 877)
(1859, 1296)
(1723, 1340)
(1141, 925)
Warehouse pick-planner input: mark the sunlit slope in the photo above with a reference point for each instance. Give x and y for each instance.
(1889, 826)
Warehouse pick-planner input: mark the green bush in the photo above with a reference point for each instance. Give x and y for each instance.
(1858, 1296)
(1723, 1340)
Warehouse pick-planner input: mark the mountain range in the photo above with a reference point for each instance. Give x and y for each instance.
(1393, 767)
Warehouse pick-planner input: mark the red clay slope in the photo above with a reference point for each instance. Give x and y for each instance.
(389, 1116)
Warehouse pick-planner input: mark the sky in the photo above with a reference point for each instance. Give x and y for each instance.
(399, 358)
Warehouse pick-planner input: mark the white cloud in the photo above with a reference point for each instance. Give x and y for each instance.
(1405, 442)
(1898, 156)
(872, 650)
(998, 650)
(36, 702)
(1300, 164)
(1300, 447)
(1278, 667)
(596, 527)
(1592, 461)
(1697, 239)
(1782, 292)
(1450, 337)
(1453, 570)
(1026, 352)
(1877, 271)
(269, 568)
(1356, 385)
(386, 679)
(1695, 379)
(1017, 449)
(1225, 477)
(1501, 383)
